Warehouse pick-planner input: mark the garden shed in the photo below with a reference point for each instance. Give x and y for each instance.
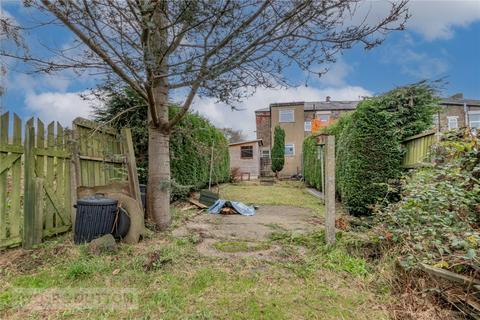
(245, 159)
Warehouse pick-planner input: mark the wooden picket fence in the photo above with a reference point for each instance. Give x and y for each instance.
(39, 177)
(417, 149)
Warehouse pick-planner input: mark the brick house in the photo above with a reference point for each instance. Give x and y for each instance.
(299, 119)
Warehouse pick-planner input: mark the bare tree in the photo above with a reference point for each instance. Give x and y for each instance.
(233, 135)
(221, 48)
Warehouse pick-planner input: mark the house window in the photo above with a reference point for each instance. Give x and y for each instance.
(266, 154)
(323, 117)
(474, 119)
(286, 116)
(246, 152)
(290, 149)
(308, 126)
(452, 123)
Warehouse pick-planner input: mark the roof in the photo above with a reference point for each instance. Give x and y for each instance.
(315, 105)
(351, 105)
(460, 102)
(246, 142)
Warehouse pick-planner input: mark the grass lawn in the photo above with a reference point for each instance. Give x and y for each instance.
(304, 279)
(285, 193)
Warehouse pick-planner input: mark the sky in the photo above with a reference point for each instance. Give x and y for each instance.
(442, 41)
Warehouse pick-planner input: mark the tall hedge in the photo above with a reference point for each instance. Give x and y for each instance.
(369, 152)
(190, 143)
(278, 150)
(312, 172)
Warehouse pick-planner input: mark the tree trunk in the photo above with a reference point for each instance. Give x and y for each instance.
(158, 187)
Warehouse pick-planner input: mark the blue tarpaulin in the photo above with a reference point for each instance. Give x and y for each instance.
(241, 208)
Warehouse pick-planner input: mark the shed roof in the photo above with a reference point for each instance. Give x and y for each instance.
(259, 141)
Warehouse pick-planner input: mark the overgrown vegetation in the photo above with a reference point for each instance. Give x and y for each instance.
(437, 220)
(190, 143)
(312, 172)
(278, 150)
(369, 153)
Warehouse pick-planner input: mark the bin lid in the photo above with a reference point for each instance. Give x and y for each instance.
(97, 200)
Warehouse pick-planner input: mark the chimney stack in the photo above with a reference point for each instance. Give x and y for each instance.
(327, 98)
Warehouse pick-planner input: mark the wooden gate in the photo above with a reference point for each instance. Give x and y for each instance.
(44, 182)
(11, 151)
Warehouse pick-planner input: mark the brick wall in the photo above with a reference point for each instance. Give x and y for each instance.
(263, 128)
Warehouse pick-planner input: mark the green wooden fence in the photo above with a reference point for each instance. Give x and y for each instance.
(41, 190)
(417, 149)
(39, 177)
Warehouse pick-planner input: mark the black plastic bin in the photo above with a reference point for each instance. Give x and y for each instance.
(95, 218)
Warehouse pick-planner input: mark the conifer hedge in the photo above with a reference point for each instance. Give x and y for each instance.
(278, 150)
(190, 143)
(369, 151)
(368, 143)
(312, 172)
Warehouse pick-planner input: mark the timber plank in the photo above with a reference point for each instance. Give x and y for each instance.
(4, 121)
(15, 212)
(60, 169)
(29, 186)
(50, 175)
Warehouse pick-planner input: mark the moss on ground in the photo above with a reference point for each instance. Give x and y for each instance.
(241, 246)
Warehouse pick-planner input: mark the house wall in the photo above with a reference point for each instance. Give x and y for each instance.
(263, 128)
(454, 111)
(251, 166)
(294, 134)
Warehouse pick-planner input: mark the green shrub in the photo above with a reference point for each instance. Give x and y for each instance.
(312, 172)
(190, 143)
(437, 220)
(369, 153)
(278, 150)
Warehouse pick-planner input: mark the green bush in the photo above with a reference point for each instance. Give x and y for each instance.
(278, 150)
(438, 218)
(311, 162)
(368, 141)
(190, 143)
(312, 172)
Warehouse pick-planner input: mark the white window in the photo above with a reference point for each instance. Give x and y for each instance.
(308, 126)
(474, 119)
(452, 123)
(266, 154)
(324, 117)
(286, 115)
(289, 149)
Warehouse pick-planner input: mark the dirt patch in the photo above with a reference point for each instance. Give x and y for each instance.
(268, 219)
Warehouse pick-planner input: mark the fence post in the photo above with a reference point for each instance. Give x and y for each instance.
(29, 187)
(39, 204)
(133, 183)
(329, 193)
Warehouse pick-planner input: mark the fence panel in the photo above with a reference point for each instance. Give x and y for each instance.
(417, 148)
(11, 151)
(100, 154)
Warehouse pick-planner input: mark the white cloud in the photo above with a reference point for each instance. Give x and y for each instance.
(412, 62)
(57, 106)
(337, 74)
(432, 19)
(222, 115)
(437, 19)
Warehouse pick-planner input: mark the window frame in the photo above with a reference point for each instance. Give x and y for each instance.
(263, 153)
(247, 157)
(284, 111)
(292, 147)
(448, 122)
(309, 126)
(476, 113)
